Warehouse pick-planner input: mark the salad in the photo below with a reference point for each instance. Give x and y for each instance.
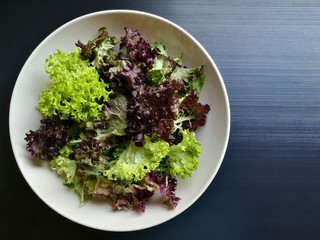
(119, 120)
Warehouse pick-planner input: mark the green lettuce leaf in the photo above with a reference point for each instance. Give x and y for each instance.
(67, 169)
(80, 185)
(160, 49)
(197, 84)
(103, 51)
(114, 121)
(76, 90)
(135, 161)
(64, 166)
(182, 158)
(193, 76)
(99, 50)
(161, 66)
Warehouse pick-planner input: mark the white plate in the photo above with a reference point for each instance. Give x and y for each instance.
(24, 117)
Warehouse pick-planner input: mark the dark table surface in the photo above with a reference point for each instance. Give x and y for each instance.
(268, 53)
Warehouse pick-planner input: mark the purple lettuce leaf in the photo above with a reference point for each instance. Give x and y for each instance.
(167, 186)
(154, 111)
(133, 47)
(127, 74)
(134, 60)
(90, 156)
(52, 135)
(140, 196)
(191, 106)
(133, 196)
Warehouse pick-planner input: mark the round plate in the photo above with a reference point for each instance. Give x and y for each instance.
(24, 116)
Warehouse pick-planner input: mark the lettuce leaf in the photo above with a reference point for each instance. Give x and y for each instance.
(53, 134)
(132, 196)
(135, 162)
(194, 77)
(182, 157)
(198, 83)
(63, 165)
(70, 170)
(127, 75)
(161, 50)
(192, 114)
(76, 91)
(161, 66)
(104, 51)
(99, 50)
(136, 49)
(80, 185)
(186, 74)
(114, 122)
(167, 186)
(154, 111)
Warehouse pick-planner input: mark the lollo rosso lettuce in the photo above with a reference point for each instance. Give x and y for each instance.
(136, 49)
(134, 196)
(127, 75)
(192, 114)
(154, 111)
(53, 134)
(167, 186)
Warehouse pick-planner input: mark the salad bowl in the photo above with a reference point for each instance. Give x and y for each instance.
(24, 116)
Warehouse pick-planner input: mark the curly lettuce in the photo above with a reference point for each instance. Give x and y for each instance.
(154, 112)
(135, 162)
(161, 66)
(114, 122)
(76, 91)
(63, 165)
(161, 50)
(182, 158)
(193, 77)
(100, 50)
(53, 134)
(192, 113)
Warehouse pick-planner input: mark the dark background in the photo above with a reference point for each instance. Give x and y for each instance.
(268, 53)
